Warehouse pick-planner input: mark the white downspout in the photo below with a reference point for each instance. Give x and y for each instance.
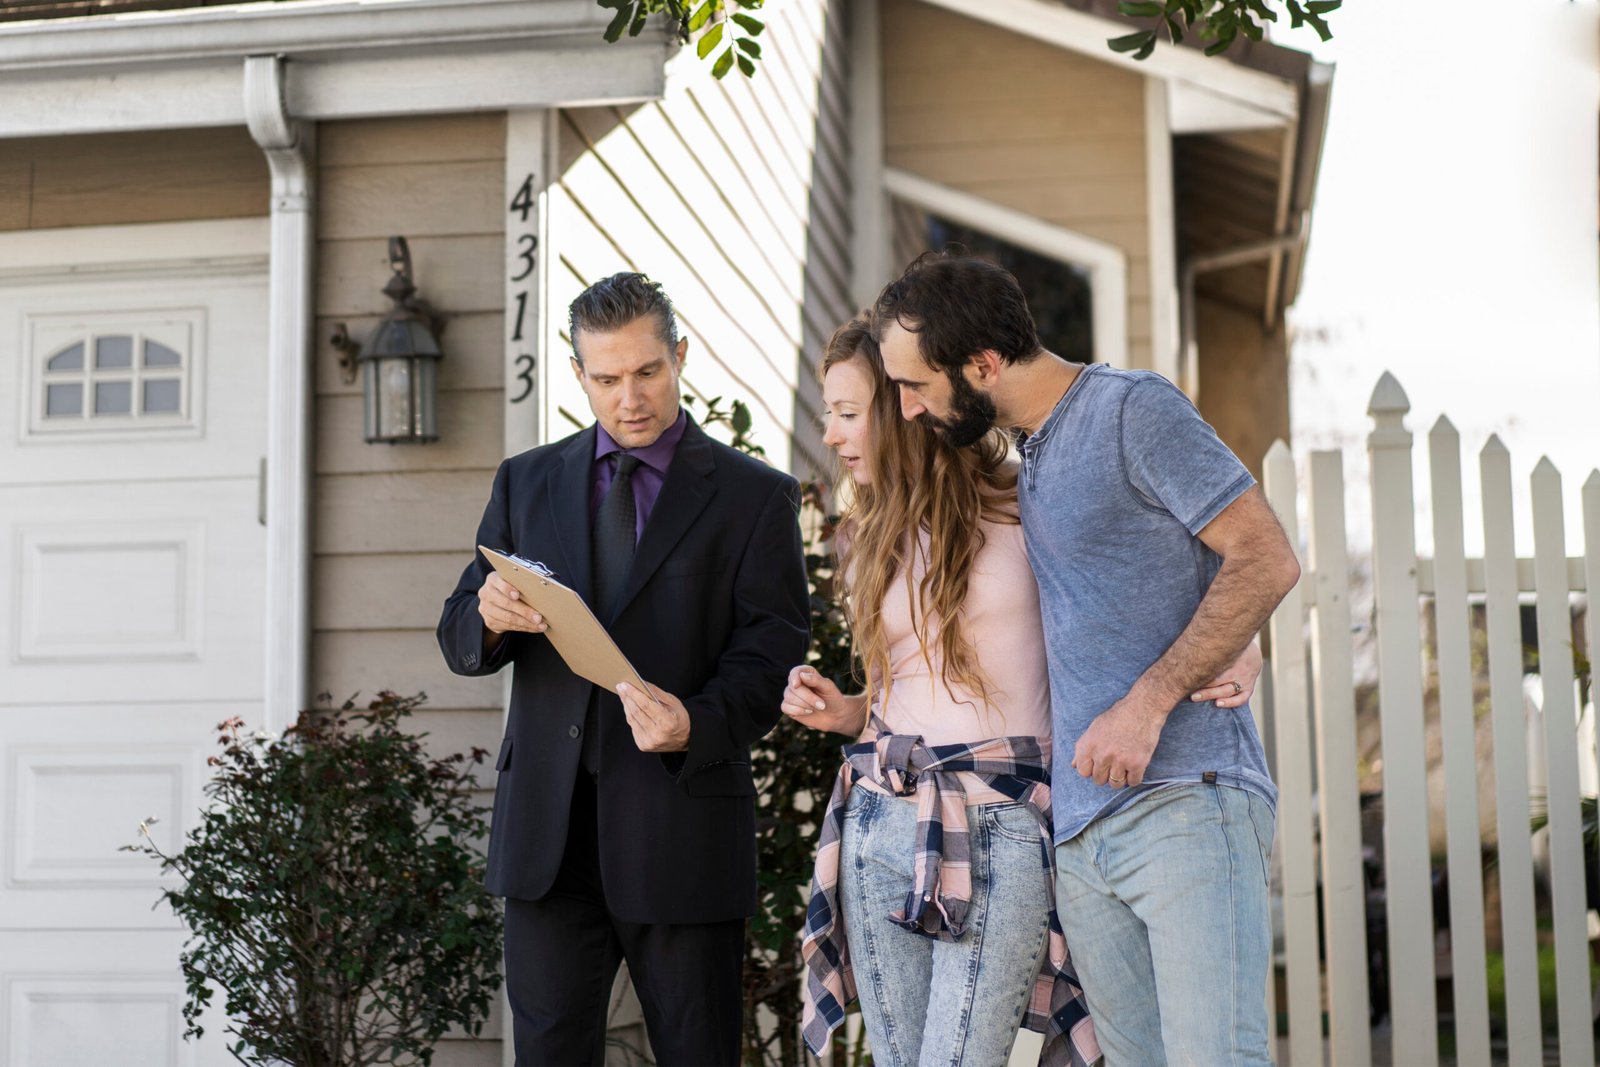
(289, 149)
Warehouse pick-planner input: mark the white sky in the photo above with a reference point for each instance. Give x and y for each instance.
(1454, 240)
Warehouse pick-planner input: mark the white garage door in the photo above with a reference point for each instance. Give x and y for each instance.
(132, 562)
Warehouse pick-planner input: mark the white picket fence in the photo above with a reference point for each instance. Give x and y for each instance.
(1313, 724)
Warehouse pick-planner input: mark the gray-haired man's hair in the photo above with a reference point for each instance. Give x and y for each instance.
(612, 303)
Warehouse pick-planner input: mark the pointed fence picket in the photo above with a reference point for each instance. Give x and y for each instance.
(1523, 1040)
(1568, 926)
(1292, 737)
(1469, 976)
(1344, 890)
(1409, 889)
(1320, 704)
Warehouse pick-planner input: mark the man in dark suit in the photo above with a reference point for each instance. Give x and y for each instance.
(624, 826)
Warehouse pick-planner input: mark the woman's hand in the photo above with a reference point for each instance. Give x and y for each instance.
(1234, 686)
(814, 701)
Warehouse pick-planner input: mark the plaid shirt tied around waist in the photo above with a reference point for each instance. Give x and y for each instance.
(941, 890)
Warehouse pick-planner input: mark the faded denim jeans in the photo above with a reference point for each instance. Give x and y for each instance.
(1165, 907)
(929, 1002)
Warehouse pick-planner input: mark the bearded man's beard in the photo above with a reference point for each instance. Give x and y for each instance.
(972, 414)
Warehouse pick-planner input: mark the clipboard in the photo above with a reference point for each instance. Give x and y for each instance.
(583, 643)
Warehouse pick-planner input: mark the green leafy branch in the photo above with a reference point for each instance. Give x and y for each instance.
(1220, 22)
(711, 24)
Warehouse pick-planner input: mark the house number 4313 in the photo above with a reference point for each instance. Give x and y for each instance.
(521, 270)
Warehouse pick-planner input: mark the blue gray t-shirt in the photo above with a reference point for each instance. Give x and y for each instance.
(1115, 485)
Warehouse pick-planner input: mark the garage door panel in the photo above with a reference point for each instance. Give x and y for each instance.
(77, 781)
(66, 1002)
(163, 599)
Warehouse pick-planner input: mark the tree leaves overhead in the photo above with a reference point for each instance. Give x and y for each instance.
(1218, 22)
(711, 24)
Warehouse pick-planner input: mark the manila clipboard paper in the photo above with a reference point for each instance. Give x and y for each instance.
(583, 643)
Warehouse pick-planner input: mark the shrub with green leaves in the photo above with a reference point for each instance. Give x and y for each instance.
(333, 892)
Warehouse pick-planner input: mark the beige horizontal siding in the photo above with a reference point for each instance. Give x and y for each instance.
(112, 179)
(1020, 123)
(468, 420)
(394, 525)
(466, 337)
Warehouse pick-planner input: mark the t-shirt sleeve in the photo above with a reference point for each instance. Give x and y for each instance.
(1173, 459)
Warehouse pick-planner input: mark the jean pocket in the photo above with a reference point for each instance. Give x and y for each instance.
(857, 802)
(1265, 824)
(1014, 821)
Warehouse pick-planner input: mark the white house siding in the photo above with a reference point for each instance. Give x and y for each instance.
(1025, 125)
(734, 195)
(394, 524)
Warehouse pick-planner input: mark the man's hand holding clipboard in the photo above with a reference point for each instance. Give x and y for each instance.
(523, 595)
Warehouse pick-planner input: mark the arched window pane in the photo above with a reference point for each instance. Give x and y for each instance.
(113, 352)
(113, 398)
(157, 354)
(65, 398)
(160, 395)
(69, 358)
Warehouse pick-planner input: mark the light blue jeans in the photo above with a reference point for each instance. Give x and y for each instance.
(1165, 909)
(929, 1002)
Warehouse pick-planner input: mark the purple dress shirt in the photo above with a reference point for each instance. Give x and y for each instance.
(654, 459)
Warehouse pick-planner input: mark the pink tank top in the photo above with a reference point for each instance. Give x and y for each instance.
(1000, 618)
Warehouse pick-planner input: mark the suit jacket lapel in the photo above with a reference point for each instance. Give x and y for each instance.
(684, 495)
(569, 507)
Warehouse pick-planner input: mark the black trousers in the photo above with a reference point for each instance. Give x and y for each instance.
(562, 952)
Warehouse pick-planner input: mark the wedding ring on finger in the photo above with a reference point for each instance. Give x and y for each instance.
(1237, 688)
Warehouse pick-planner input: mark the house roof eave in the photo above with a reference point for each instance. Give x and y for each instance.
(1266, 83)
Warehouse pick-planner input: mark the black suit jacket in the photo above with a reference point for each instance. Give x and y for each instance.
(715, 611)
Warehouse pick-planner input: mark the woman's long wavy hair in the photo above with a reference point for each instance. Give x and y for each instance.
(917, 483)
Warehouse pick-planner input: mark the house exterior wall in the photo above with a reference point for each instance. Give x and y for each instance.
(393, 525)
(735, 196)
(116, 178)
(1025, 125)
(1244, 379)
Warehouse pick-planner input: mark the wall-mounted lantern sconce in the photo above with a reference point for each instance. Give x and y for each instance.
(398, 362)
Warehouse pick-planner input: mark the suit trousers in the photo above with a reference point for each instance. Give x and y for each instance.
(563, 950)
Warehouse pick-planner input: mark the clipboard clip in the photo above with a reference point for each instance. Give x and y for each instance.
(532, 564)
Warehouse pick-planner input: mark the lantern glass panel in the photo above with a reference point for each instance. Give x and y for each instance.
(369, 393)
(427, 376)
(395, 409)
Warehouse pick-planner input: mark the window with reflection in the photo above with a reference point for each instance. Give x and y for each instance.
(113, 378)
(1059, 295)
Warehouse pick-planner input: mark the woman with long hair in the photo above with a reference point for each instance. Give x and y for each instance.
(933, 901)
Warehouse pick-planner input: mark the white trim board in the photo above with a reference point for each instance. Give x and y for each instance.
(298, 28)
(490, 77)
(1163, 225)
(80, 249)
(181, 69)
(1106, 263)
(1051, 22)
